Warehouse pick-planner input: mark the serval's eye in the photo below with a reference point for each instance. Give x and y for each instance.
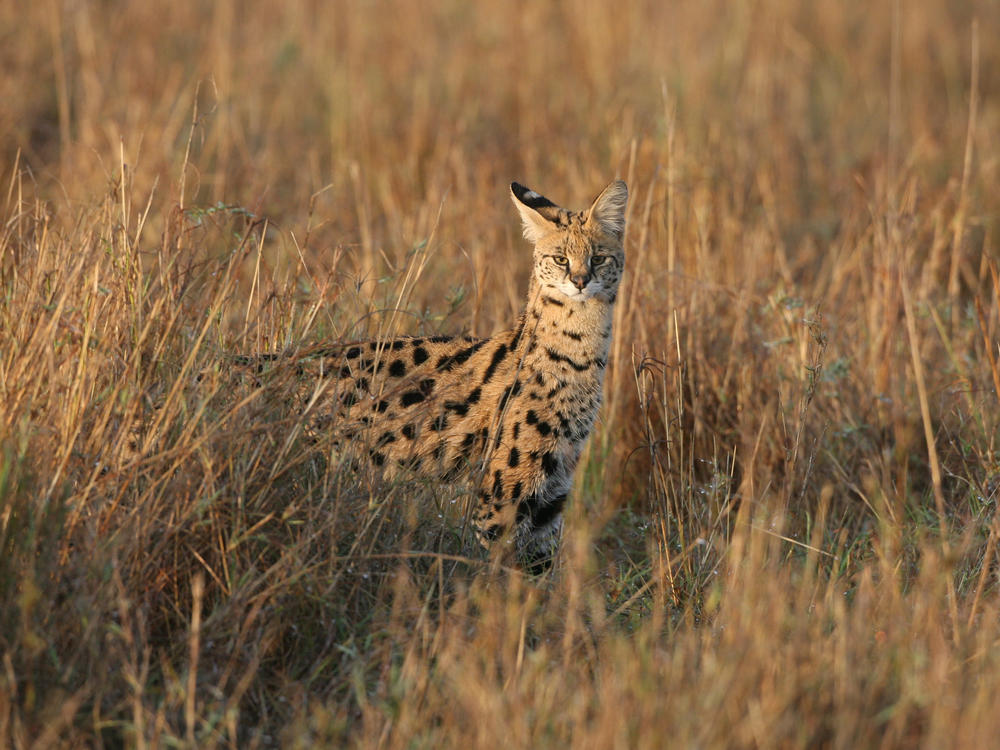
(598, 260)
(561, 260)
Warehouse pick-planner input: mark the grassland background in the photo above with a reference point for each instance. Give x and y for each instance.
(784, 531)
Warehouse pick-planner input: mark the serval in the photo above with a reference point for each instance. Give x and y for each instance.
(512, 411)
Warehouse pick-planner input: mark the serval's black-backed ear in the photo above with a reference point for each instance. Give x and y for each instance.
(539, 214)
(608, 209)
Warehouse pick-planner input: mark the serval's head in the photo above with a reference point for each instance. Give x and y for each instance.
(578, 254)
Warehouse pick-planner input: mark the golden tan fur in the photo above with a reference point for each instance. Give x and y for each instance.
(514, 410)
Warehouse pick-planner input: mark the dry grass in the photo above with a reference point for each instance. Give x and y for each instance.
(784, 533)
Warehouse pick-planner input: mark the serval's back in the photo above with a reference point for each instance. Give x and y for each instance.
(513, 410)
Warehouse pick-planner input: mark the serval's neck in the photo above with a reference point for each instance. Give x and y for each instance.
(569, 336)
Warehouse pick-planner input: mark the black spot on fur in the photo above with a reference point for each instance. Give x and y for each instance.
(381, 406)
(439, 423)
(397, 369)
(573, 335)
(516, 492)
(450, 361)
(509, 392)
(549, 463)
(349, 398)
(409, 430)
(426, 386)
(547, 513)
(386, 438)
(492, 531)
(420, 355)
(552, 301)
(539, 379)
(514, 458)
(498, 357)
(458, 407)
(474, 396)
(531, 417)
(517, 336)
(516, 430)
(544, 428)
(378, 458)
(540, 514)
(411, 397)
(497, 484)
(557, 357)
(440, 339)
(353, 353)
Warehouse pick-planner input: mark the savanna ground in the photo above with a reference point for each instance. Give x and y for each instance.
(784, 531)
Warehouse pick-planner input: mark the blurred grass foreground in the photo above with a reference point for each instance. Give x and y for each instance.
(784, 530)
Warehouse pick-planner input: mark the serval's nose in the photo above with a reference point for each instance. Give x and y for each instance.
(580, 280)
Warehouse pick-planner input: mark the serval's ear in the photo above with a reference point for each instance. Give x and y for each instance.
(539, 214)
(608, 209)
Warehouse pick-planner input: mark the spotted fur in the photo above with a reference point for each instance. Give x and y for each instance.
(512, 411)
